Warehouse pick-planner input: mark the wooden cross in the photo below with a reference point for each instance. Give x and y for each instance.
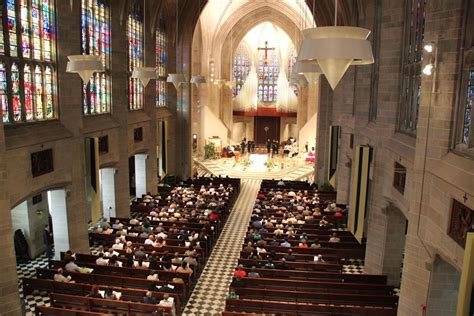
(266, 49)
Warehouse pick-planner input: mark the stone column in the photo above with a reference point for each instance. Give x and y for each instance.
(140, 174)
(61, 218)
(107, 180)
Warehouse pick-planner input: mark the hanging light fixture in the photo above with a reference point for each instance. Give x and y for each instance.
(198, 80)
(335, 48)
(310, 71)
(84, 66)
(145, 74)
(176, 79)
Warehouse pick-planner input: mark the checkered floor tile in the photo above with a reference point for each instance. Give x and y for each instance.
(27, 270)
(208, 297)
(353, 266)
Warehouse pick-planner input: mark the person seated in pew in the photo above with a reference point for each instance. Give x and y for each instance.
(269, 264)
(282, 265)
(324, 224)
(319, 258)
(274, 242)
(153, 276)
(101, 261)
(113, 262)
(238, 283)
(253, 274)
(118, 244)
(191, 261)
(184, 268)
(232, 294)
(159, 242)
(285, 243)
(334, 238)
(177, 260)
(240, 272)
(315, 244)
(149, 299)
(303, 244)
(168, 301)
(150, 240)
(140, 253)
(289, 256)
(71, 266)
(94, 293)
(141, 264)
(117, 225)
(190, 251)
(59, 276)
(134, 221)
(69, 254)
(110, 294)
(166, 256)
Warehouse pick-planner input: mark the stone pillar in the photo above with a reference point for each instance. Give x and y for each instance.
(107, 181)
(59, 215)
(140, 174)
(324, 120)
(443, 295)
(394, 246)
(9, 297)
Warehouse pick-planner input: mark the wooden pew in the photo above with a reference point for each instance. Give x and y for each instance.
(309, 265)
(106, 305)
(82, 289)
(304, 309)
(56, 311)
(317, 286)
(318, 275)
(318, 297)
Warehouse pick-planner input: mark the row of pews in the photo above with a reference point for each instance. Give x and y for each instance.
(133, 282)
(292, 282)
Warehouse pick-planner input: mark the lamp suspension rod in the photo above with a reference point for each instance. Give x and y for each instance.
(314, 20)
(335, 12)
(144, 34)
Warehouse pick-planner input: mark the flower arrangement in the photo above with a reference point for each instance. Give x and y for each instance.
(246, 163)
(270, 164)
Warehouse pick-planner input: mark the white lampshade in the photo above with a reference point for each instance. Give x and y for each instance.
(84, 65)
(335, 48)
(300, 79)
(219, 82)
(311, 71)
(145, 74)
(176, 79)
(198, 80)
(230, 84)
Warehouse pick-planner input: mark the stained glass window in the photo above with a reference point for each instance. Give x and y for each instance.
(268, 70)
(161, 62)
(95, 24)
(3, 93)
(135, 59)
(2, 38)
(241, 68)
(25, 86)
(411, 84)
(467, 122)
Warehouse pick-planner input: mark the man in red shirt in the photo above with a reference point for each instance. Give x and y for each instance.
(240, 272)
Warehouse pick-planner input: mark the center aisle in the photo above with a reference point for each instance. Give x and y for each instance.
(209, 294)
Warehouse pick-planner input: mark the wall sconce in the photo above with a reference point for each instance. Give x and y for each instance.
(39, 212)
(432, 50)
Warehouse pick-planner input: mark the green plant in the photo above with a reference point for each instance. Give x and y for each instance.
(270, 164)
(209, 151)
(246, 163)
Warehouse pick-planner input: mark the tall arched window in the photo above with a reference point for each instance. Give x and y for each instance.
(135, 56)
(411, 84)
(268, 70)
(161, 62)
(95, 24)
(241, 68)
(27, 46)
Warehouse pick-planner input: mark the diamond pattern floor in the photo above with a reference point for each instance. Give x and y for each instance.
(208, 297)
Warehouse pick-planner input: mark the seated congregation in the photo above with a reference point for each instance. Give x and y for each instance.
(293, 255)
(147, 264)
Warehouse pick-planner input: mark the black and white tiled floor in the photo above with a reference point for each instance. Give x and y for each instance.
(353, 266)
(28, 270)
(208, 297)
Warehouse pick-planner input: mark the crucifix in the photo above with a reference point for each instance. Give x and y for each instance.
(266, 49)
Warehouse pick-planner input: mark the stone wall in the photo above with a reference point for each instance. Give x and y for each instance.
(435, 173)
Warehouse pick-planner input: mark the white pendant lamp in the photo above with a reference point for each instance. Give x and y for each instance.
(176, 79)
(219, 82)
(84, 66)
(198, 80)
(309, 70)
(145, 74)
(230, 84)
(335, 48)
